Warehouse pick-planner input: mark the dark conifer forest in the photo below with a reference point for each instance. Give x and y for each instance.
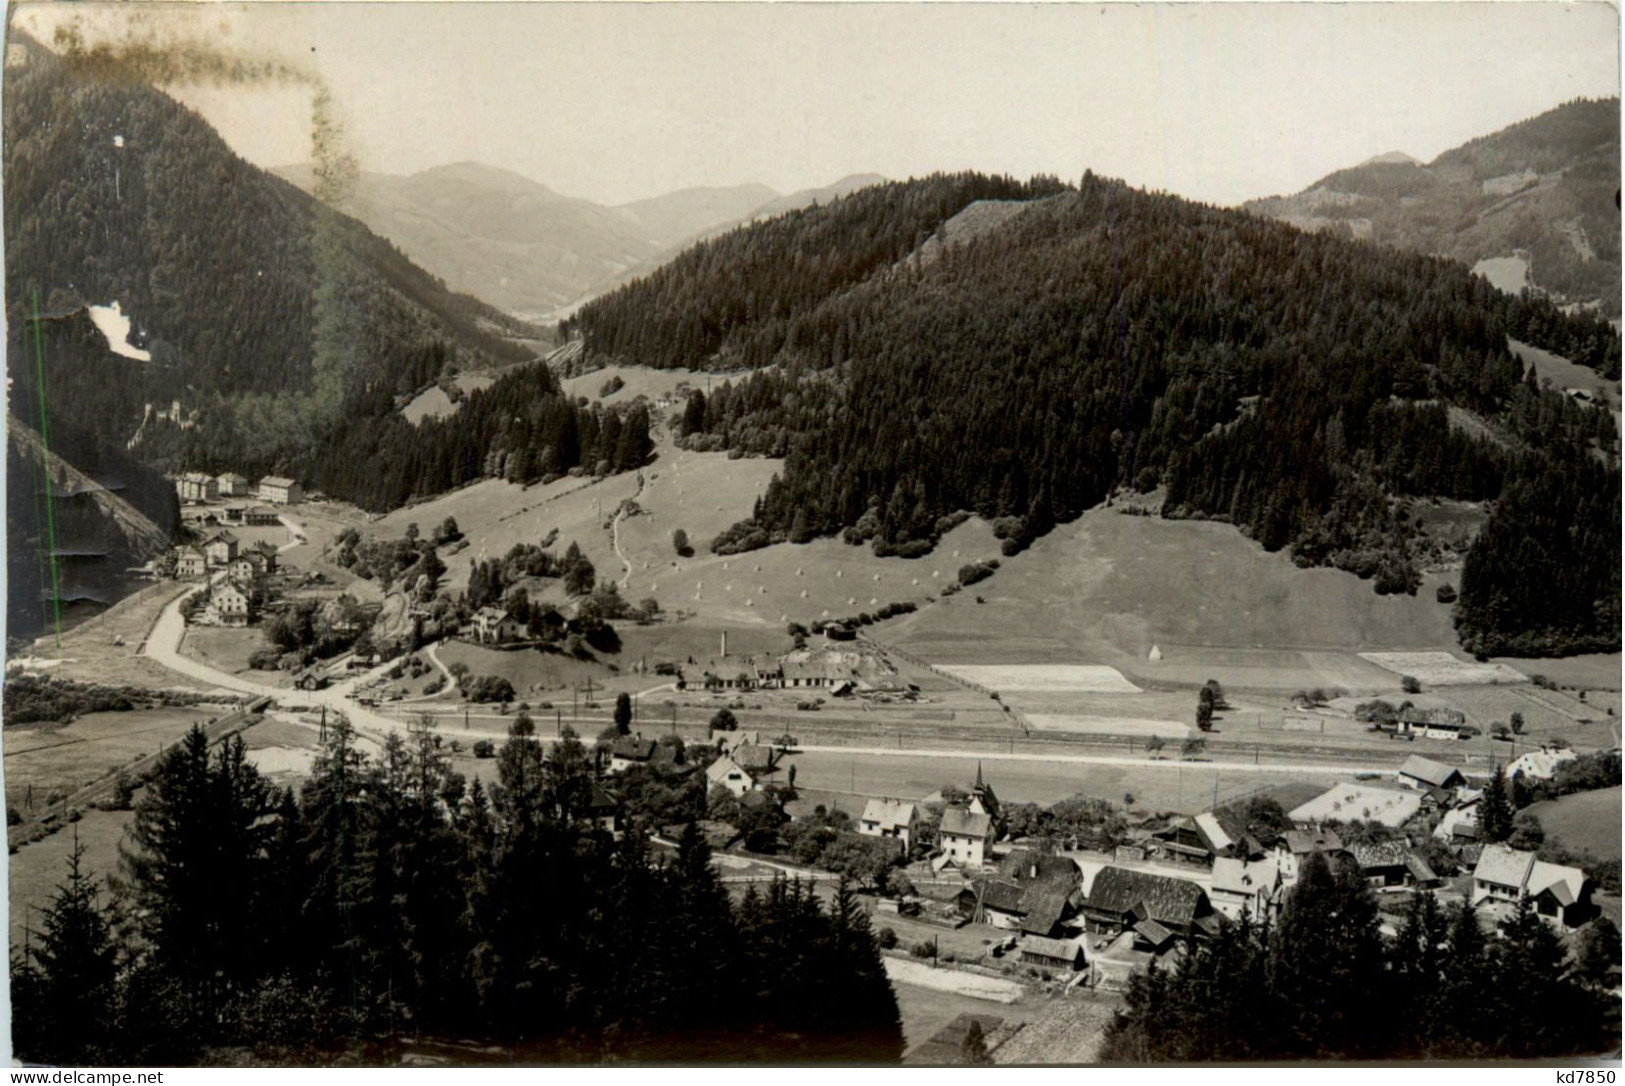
(390, 905)
(1302, 387)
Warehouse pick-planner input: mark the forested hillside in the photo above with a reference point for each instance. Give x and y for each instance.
(1300, 386)
(259, 307)
(1545, 188)
(286, 334)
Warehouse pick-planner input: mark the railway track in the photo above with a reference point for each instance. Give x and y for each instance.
(55, 815)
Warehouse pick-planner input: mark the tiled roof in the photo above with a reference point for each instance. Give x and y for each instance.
(963, 823)
(1240, 877)
(1030, 865)
(632, 748)
(754, 757)
(1380, 854)
(1503, 866)
(1044, 908)
(1300, 842)
(1119, 890)
(890, 814)
(276, 480)
(1154, 932)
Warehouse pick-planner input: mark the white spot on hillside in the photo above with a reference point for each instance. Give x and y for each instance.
(112, 323)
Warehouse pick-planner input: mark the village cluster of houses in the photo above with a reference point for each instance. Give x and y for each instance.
(198, 486)
(231, 599)
(1173, 880)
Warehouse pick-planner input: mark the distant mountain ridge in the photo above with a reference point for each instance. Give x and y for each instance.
(517, 244)
(1542, 192)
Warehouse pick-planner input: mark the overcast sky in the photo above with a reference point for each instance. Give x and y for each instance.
(1220, 102)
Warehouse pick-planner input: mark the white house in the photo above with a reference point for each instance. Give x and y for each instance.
(1560, 895)
(232, 485)
(965, 836)
(1540, 764)
(229, 604)
(190, 563)
(1253, 887)
(280, 491)
(197, 486)
(732, 776)
(889, 818)
(493, 624)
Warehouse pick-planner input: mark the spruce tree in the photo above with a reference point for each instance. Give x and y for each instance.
(1495, 814)
(63, 987)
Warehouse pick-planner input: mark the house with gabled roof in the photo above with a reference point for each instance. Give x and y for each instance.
(884, 817)
(1559, 894)
(1295, 846)
(1386, 865)
(1253, 887)
(1540, 764)
(630, 750)
(494, 625)
(1045, 953)
(190, 563)
(220, 548)
(229, 605)
(232, 485)
(729, 774)
(197, 486)
(965, 836)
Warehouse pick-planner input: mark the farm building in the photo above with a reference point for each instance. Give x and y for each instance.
(197, 486)
(1429, 724)
(1033, 892)
(889, 818)
(727, 672)
(220, 548)
(1241, 886)
(1347, 802)
(1200, 840)
(1387, 865)
(1052, 953)
(232, 485)
(493, 625)
(1558, 894)
(190, 563)
(1156, 907)
(279, 490)
(1424, 774)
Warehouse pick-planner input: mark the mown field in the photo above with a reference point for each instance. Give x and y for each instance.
(1584, 820)
(42, 759)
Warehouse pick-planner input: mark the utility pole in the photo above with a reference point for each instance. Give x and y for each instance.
(558, 722)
